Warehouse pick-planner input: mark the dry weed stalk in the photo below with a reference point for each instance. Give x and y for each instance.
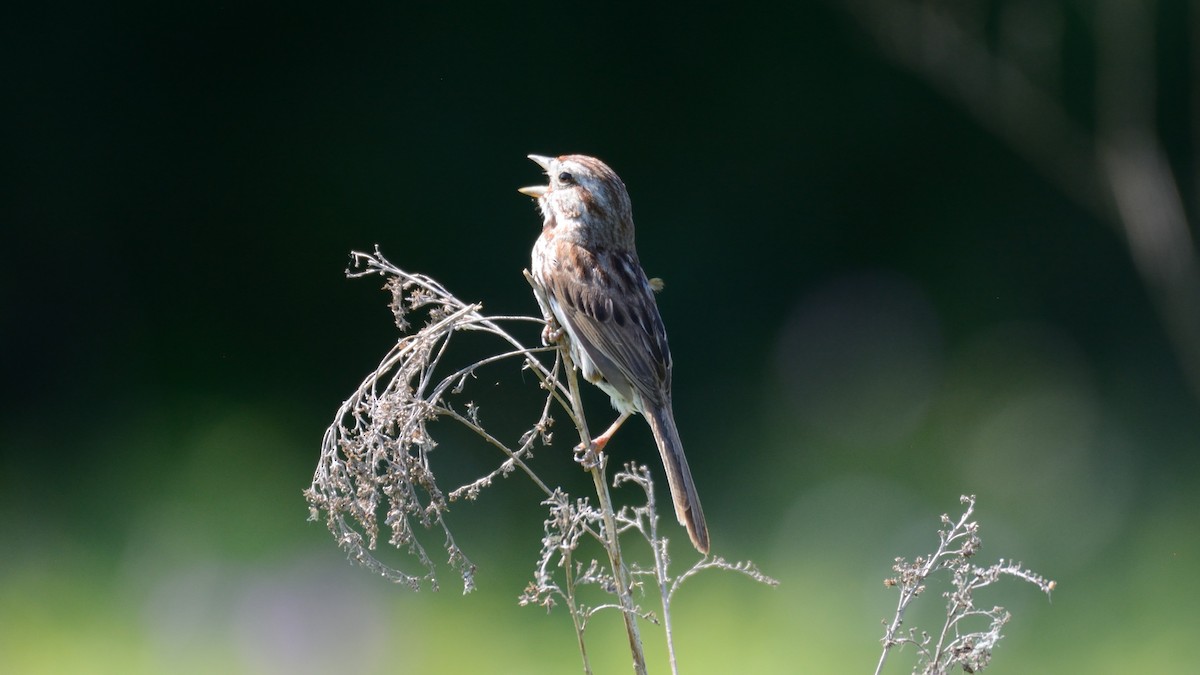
(956, 645)
(375, 466)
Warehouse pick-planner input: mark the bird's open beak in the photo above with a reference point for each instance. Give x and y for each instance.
(536, 191)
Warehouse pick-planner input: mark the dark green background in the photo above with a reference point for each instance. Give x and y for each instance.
(874, 306)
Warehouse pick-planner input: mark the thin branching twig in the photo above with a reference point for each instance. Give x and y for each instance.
(957, 644)
(375, 457)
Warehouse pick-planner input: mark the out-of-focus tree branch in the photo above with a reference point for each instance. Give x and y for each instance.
(1120, 172)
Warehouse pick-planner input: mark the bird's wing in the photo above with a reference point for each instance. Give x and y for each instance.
(606, 304)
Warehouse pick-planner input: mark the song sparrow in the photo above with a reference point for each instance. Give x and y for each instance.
(586, 267)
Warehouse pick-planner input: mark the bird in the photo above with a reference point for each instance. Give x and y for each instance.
(594, 293)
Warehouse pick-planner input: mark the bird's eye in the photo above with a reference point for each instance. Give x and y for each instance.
(566, 177)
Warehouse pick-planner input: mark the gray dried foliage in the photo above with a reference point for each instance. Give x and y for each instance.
(969, 633)
(375, 476)
(376, 479)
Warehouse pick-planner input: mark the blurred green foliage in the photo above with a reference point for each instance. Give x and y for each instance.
(874, 306)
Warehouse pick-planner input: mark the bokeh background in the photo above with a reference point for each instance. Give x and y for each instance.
(911, 251)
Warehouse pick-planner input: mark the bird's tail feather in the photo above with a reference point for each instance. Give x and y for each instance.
(679, 477)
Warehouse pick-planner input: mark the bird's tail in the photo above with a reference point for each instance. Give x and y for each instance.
(679, 477)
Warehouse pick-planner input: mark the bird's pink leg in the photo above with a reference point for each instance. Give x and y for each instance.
(600, 441)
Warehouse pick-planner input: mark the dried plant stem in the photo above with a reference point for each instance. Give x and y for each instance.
(661, 560)
(970, 633)
(576, 615)
(910, 591)
(620, 573)
(610, 539)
